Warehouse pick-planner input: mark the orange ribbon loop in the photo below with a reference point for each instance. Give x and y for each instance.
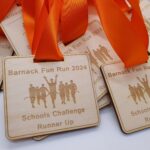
(45, 39)
(128, 38)
(43, 18)
(5, 6)
(74, 19)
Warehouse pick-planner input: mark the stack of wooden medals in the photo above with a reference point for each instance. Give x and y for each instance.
(51, 97)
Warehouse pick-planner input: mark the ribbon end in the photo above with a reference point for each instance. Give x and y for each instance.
(128, 64)
(38, 60)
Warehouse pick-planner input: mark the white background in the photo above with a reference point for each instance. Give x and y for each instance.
(107, 136)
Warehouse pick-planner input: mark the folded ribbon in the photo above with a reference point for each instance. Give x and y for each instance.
(44, 18)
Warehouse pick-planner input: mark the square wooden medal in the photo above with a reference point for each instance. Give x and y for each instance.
(130, 93)
(5, 50)
(50, 97)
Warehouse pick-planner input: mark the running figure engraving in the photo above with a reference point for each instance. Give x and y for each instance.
(67, 91)
(139, 91)
(99, 56)
(32, 95)
(73, 89)
(144, 82)
(93, 60)
(102, 54)
(133, 93)
(62, 92)
(43, 94)
(52, 89)
(40, 94)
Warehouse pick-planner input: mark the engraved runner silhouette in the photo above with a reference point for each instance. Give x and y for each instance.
(73, 89)
(140, 92)
(38, 96)
(32, 95)
(98, 56)
(43, 94)
(144, 82)
(52, 89)
(133, 93)
(93, 60)
(104, 52)
(62, 92)
(67, 91)
(137, 93)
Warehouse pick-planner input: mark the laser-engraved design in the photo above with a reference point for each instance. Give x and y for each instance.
(139, 91)
(102, 54)
(42, 94)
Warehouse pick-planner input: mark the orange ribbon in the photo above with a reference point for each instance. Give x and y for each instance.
(44, 18)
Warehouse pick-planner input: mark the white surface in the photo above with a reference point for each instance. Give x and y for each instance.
(107, 136)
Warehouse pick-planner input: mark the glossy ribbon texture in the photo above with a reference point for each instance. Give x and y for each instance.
(45, 19)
